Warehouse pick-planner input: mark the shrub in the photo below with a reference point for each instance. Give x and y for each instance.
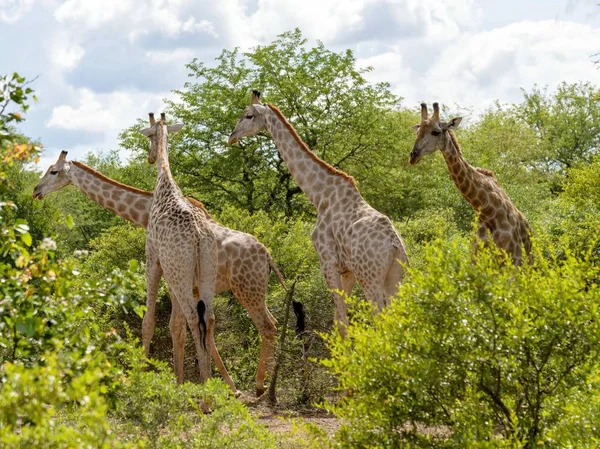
(163, 414)
(54, 356)
(473, 355)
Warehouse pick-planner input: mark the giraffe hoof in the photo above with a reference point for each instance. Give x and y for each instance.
(260, 391)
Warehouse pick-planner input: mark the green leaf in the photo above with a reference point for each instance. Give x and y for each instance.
(26, 238)
(21, 226)
(133, 265)
(26, 327)
(70, 222)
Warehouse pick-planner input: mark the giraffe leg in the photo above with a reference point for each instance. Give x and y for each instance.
(206, 277)
(188, 305)
(395, 273)
(372, 279)
(153, 275)
(213, 348)
(178, 334)
(217, 357)
(334, 282)
(374, 292)
(266, 325)
(348, 280)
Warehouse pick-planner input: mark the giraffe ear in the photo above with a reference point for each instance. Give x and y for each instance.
(174, 128)
(415, 128)
(147, 131)
(259, 108)
(453, 124)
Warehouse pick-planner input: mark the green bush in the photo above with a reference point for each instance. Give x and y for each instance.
(154, 408)
(55, 359)
(473, 355)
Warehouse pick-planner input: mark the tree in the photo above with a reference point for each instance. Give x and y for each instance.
(340, 115)
(567, 124)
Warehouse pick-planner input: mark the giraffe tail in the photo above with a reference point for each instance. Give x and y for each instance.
(200, 305)
(201, 309)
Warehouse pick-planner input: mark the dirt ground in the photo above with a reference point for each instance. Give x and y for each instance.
(281, 421)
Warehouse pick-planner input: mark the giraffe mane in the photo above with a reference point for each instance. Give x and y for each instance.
(105, 178)
(454, 141)
(483, 171)
(312, 155)
(109, 180)
(198, 204)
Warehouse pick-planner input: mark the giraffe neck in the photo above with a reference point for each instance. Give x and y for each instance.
(165, 184)
(464, 175)
(314, 176)
(127, 202)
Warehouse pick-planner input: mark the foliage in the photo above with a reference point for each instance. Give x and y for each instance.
(471, 355)
(14, 94)
(567, 123)
(35, 402)
(573, 221)
(54, 358)
(154, 410)
(168, 415)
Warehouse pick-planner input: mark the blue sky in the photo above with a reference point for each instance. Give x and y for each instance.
(102, 64)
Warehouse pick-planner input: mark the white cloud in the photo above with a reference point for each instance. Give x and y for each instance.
(476, 69)
(497, 63)
(12, 11)
(104, 113)
(92, 14)
(191, 25)
(332, 20)
(65, 54)
(136, 17)
(177, 56)
(429, 50)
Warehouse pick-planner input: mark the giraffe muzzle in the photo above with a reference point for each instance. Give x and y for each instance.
(232, 139)
(37, 195)
(414, 157)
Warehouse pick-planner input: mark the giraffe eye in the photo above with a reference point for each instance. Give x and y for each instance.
(435, 133)
(54, 172)
(249, 116)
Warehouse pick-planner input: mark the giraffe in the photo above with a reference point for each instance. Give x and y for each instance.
(496, 214)
(244, 263)
(353, 240)
(181, 247)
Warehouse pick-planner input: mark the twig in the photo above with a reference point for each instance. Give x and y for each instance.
(288, 302)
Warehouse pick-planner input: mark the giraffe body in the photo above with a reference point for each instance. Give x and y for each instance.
(244, 264)
(181, 247)
(497, 216)
(353, 240)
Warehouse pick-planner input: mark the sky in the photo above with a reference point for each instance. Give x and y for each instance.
(102, 64)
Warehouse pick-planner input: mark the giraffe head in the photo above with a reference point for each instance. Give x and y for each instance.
(56, 177)
(432, 133)
(253, 120)
(157, 133)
